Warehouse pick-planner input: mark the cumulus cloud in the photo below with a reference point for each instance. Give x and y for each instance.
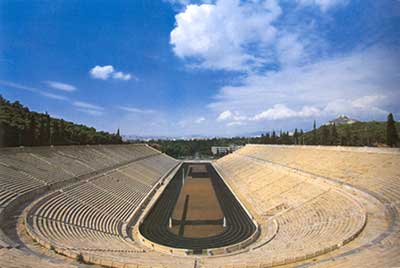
(218, 35)
(60, 86)
(224, 116)
(324, 5)
(108, 71)
(280, 111)
(102, 72)
(122, 76)
(362, 84)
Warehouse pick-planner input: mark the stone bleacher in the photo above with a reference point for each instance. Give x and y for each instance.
(351, 180)
(316, 206)
(94, 201)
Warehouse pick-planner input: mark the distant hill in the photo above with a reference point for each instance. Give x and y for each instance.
(21, 127)
(351, 132)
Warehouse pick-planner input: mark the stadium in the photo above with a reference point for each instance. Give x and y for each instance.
(261, 206)
(200, 134)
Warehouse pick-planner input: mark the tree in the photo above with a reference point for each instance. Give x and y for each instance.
(334, 135)
(325, 135)
(32, 131)
(48, 130)
(301, 137)
(314, 134)
(62, 138)
(295, 137)
(273, 137)
(392, 137)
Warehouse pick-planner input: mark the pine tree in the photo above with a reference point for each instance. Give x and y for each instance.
(391, 132)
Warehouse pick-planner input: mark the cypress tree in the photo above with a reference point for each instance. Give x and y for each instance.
(48, 130)
(391, 132)
(301, 137)
(314, 137)
(273, 137)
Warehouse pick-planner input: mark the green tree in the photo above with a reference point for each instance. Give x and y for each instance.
(334, 135)
(295, 137)
(392, 137)
(314, 133)
(324, 135)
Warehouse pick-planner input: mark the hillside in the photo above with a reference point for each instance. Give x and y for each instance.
(359, 133)
(21, 127)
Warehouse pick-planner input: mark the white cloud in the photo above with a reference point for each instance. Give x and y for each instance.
(135, 110)
(102, 72)
(218, 35)
(363, 106)
(86, 105)
(324, 5)
(362, 84)
(91, 112)
(32, 89)
(368, 101)
(289, 49)
(60, 86)
(236, 123)
(53, 96)
(88, 108)
(200, 120)
(224, 116)
(280, 111)
(107, 71)
(121, 76)
(19, 86)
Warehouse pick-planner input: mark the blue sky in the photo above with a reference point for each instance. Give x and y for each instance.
(181, 67)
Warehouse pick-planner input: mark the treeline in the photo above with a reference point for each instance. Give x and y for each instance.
(356, 134)
(197, 147)
(21, 127)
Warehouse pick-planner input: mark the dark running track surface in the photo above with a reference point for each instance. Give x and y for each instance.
(155, 225)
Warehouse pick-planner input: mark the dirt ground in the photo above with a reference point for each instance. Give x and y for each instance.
(202, 205)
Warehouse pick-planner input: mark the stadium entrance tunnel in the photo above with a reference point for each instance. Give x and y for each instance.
(197, 214)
